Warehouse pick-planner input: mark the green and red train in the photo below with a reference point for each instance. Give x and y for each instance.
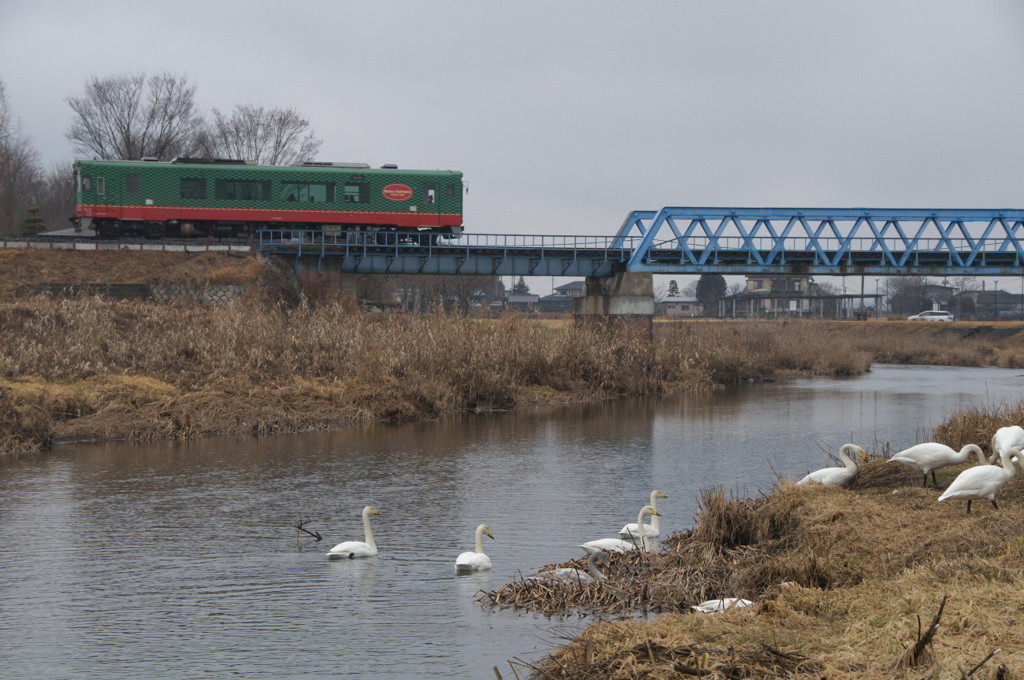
(224, 198)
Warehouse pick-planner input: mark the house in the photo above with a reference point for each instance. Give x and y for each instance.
(561, 299)
(523, 302)
(678, 306)
(571, 289)
(772, 295)
(990, 304)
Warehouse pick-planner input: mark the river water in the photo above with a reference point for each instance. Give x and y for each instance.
(181, 560)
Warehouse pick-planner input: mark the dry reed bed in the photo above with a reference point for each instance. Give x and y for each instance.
(90, 368)
(840, 578)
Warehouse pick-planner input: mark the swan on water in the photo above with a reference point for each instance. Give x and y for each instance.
(622, 545)
(653, 529)
(475, 560)
(573, 575)
(982, 482)
(930, 456)
(352, 549)
(837, 476)
(712, 606)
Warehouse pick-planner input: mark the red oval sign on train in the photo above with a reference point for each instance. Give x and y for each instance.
(397, 192)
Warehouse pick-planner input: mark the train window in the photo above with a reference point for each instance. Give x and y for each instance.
(451, 190)
(101, 186)
(431, 194)
(356, 192)
(307, 192)
(242, 190)
(131, 185)
(193, 187)
(86, 183)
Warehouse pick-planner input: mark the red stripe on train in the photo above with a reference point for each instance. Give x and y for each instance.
(270, 216)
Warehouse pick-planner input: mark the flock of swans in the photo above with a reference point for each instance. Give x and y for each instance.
(632, 536)
(981, 482)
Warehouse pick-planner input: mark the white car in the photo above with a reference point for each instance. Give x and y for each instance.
(931, 315)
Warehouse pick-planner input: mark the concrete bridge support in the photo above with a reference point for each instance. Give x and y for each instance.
(625, 295)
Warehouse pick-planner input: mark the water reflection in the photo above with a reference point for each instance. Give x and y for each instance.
(182, 560)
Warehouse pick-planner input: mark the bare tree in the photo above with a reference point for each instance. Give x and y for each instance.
(129, 117)
(19, 170)
(907, 294)
(453, 293)
(265, 136)
(56, 195)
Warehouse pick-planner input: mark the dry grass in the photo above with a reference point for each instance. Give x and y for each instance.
(259, 367)
(840, 577)
(23, 269)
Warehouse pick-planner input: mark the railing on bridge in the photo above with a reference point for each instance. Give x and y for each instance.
(694, 241)
(825, 241)
(477, 254)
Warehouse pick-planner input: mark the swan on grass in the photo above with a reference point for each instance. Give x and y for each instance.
(622, 545)
(573, 575)
(712, 606)
(653, 529)
(930, 456)
(353, 549)
(982, 482)
(837, 476)
(475, 560)
(1010, 437)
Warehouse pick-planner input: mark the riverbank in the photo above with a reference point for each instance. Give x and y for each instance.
(846, 583)
(90, 368)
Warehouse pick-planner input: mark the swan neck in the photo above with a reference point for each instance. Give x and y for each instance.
(845, 457)
(655, 519)
(1004, 458)
(640, 531)
(368, 535)
(965, 453)
(592, 568)
(480, 539)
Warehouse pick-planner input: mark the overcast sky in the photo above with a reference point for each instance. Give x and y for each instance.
(565, 116)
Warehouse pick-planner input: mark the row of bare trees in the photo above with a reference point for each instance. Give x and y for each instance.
(135, 116)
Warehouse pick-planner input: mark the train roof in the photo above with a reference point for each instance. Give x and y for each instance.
(247, 165)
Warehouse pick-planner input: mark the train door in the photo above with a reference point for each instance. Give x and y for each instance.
(431, 204)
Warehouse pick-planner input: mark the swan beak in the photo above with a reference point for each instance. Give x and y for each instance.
(661, 495)
(655, 512)
(488, 533)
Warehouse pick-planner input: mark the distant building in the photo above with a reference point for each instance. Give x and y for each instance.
(775, 295)
(523, 302)
(561, 299)
(678, 306)
(992, 304)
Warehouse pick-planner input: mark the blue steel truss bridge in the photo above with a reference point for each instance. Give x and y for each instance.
(687, 240)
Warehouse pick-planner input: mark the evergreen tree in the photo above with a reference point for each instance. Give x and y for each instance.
(710, 289)
(520, 287)
(673, 288)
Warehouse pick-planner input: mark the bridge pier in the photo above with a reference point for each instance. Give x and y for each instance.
(622, 295)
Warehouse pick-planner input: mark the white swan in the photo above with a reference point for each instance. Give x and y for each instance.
(352, 549)
(573, 575)
(653, 529)
(930, 456)
(982, 481)
(622, 545)
(1010, 437)
(475, 560)
(712, 606)
(837, 476)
